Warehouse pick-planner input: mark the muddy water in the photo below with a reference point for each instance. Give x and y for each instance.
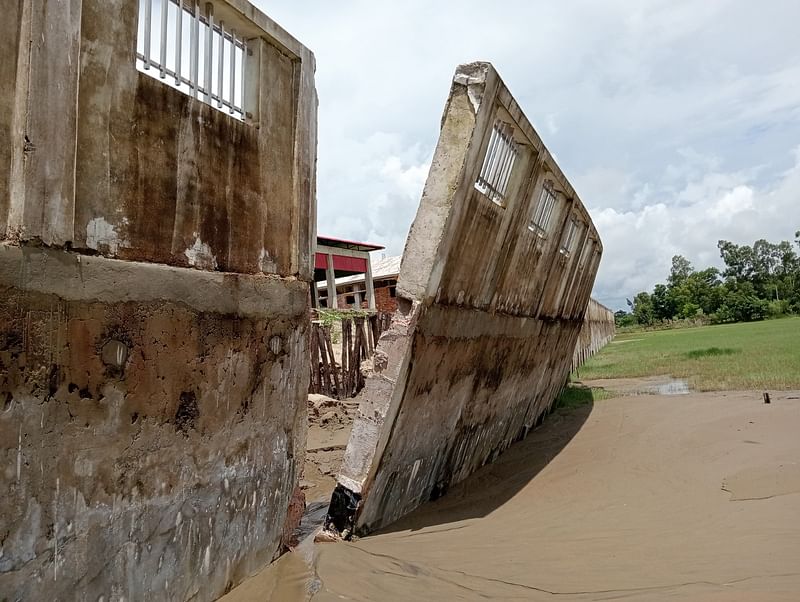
(695, 497)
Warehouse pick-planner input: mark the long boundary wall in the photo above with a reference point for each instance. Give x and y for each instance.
(491, 301)
(597, 332)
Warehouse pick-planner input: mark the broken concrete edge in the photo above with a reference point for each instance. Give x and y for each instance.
(340, 520)
(73, 276)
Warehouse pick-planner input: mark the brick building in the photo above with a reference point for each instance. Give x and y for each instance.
(351, 291)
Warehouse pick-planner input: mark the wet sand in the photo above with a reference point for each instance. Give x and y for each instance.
(690, 497)
(329, 424)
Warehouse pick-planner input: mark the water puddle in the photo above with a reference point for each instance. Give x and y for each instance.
(673, 386)
(651, 385)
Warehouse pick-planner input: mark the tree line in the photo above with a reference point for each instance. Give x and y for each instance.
(758, 281)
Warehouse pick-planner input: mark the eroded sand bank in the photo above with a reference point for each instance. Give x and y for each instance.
(694, 497)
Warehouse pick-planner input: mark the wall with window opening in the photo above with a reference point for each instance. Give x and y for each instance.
(498, 163)
(543, 211)
(182, 44)
(570, 236)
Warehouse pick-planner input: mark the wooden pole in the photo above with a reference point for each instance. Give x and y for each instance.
(332, 363)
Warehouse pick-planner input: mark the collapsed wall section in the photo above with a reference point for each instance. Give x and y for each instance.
(494, 284)
(154, 284)
(597, 331)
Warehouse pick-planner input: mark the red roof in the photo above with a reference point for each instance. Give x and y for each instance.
(347, 244)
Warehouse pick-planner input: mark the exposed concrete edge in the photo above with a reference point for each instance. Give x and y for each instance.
(273, 30)
(76, 277)
(421, 265)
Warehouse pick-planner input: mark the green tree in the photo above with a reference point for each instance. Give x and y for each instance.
(664, 306)
(643, 309)
(680, 271)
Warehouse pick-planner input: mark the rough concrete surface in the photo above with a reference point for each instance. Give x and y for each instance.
(150, 449)
(155, 255)
(488, 319)
(113, 161)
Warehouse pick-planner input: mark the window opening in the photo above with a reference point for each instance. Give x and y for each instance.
(501, 153)
(544, 210)
(569, 237)
(183, 46)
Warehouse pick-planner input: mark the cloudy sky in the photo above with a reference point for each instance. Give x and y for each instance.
(678, 122)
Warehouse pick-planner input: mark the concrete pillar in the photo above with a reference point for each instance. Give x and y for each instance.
(370, 284)
(333, 302)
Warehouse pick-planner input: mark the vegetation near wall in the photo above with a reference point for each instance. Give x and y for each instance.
(759, 281)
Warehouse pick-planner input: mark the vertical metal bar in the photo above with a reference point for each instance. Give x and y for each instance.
(512, 157)
(507, 160)
(233, 67)
(148, 10)
(220, 63)
(194, 50)
(244, 58)
(551, 203)
(490, 150)
(163, 65)
(207, 63)
(499, 165)
(495, 155)
(178, 43)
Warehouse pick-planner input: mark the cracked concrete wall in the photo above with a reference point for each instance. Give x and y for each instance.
(489, 315)
(155, 258)
(597, 331)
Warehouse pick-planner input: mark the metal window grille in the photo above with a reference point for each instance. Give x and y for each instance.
(543, 212)
(498, 163)
(184, 46)
(569, 237)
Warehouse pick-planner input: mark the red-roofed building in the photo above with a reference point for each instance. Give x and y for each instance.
(336, 258)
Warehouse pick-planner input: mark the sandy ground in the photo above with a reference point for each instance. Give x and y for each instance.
(689, 497)
(329, 425)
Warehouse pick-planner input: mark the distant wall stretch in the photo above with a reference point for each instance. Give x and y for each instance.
(596, 332)
(493, 288)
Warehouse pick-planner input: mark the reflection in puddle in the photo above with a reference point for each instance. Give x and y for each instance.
(673, 386)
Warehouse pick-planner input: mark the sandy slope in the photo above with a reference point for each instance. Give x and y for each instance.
(692, 497)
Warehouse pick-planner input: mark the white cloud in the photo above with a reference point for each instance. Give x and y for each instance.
(639, 243)
(675, 119)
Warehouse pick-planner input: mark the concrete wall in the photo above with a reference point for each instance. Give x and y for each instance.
(155, 256)
(597, 332)
(489, 314)
(111, 160)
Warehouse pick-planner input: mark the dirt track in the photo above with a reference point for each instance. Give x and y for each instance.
(691, 497)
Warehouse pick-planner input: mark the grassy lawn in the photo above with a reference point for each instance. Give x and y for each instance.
(749, 356)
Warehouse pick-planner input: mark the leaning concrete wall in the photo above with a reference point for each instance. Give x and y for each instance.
(154, 269)
(597, 331)
(490, 310)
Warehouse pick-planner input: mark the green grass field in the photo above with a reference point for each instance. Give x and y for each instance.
(748, 356)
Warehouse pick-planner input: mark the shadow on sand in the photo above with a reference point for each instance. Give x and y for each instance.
(494, 484)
